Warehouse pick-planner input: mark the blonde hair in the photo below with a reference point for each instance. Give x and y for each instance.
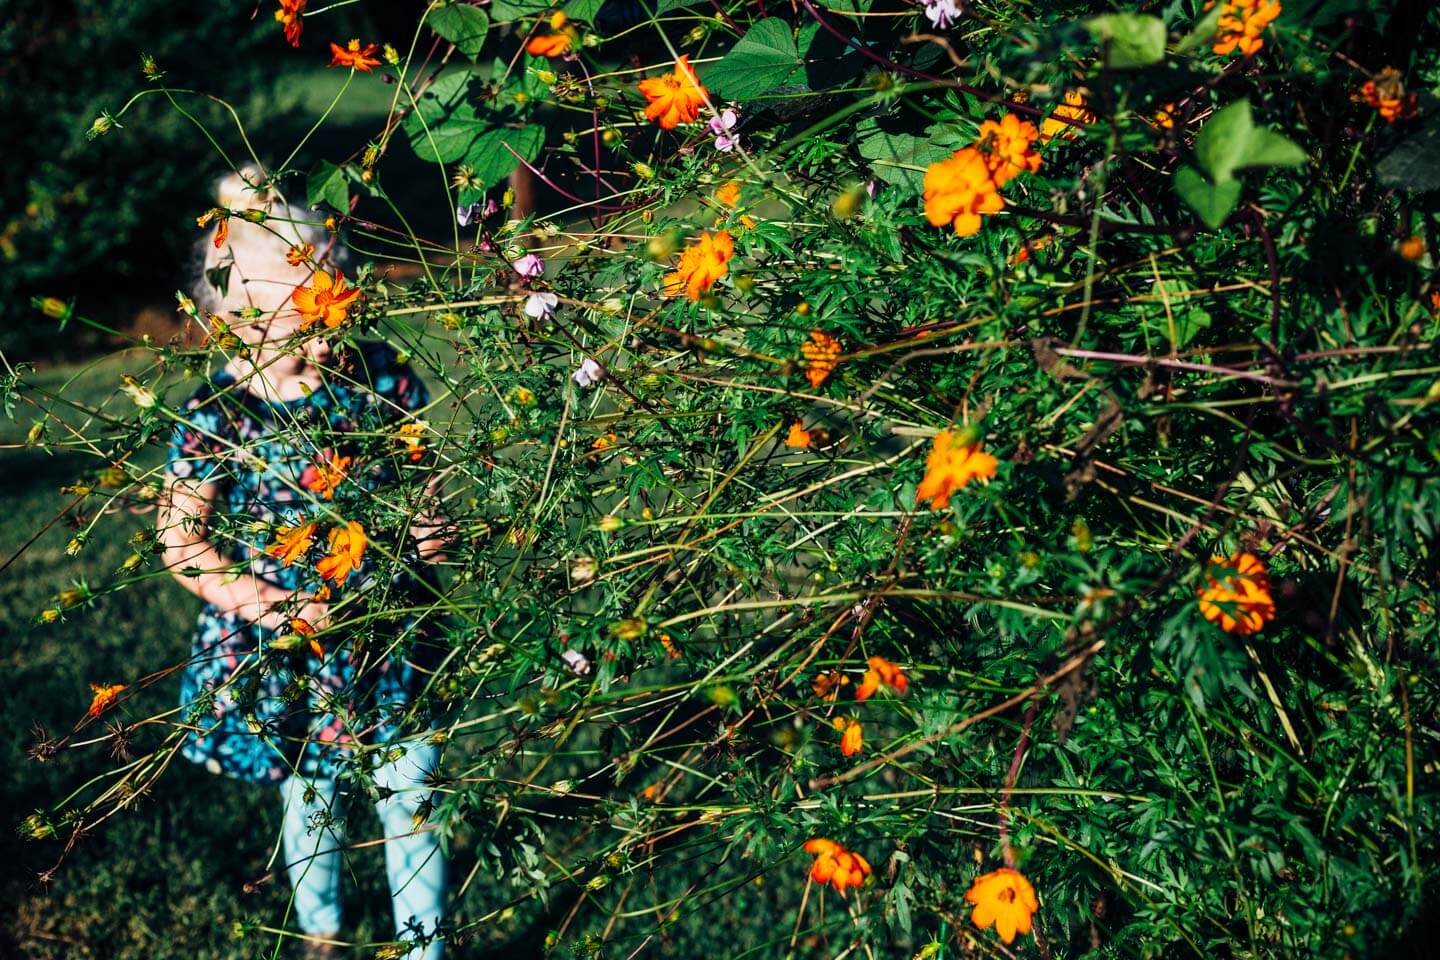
(250, 247)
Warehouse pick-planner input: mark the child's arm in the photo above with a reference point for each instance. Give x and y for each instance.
(183, 524)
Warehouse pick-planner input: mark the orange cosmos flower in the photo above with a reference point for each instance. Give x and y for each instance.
(851, 737)
(410, 434)
(1031, 246)
(822, 353)
(835, 865)
(105, 695)
(1412, 248)
(1236, 594)
(222, 229)
(306, 629)
(605, 441)
(1164, 118)
(827, 685)
(1008, 148)
(327, 299)
(354, 56)
(291, 543)
(1386, 93)
(1075, 108)
(1004, 898)
(325, 475)
(1241, 23)
(300, 254)
(729, 195)
(289, 14)
(347, 547)
(675, 98)
(959, 189)
(881, 671)
(701, 265)
(949, 467)
(798, 436)
(548, 45)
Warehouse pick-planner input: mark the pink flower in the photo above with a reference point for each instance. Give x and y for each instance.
(721, 125)
(942, 13)
(539, 306)
(589, 374)
(529, 266)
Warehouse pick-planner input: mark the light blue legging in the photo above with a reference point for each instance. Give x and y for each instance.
(413, 861)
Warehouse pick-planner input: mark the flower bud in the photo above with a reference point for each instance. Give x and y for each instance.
(253, 216)
(143, 396)
(391, 55)
(644, 171)
(53, 307)
(611, 523)
(102, 125)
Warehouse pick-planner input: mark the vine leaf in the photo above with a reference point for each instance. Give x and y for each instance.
(327, 184)
(1129, 40)
(765, 59)
(463, 26)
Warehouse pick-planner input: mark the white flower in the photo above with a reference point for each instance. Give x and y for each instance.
(529, 266)
(577, 662)
(143, 396)
(589, 374)
(942, 13)
(539, 306)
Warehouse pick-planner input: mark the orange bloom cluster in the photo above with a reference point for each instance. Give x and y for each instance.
(354, 56)
(300, 254)
(410, 434)
(881, 671)
(950, 466)
(851, 736)
(556, 43)
(827, 685)
(701, 265)
(1004, 898)
(1241, 23)
(1062, 121)
(289, 14)
(347, 548)
(222, 229)
(306, 629)
(798, 436)
(292, 543)
(1236, 594)
(327, 300)
(1386, 93)
(326, 475)
(959, 190)
(675, 98)
(1008, 148)
(822, 353)
(105, 695)
(835, 865)
(729, 195)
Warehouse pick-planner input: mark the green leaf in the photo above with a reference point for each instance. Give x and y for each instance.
(764, 59)
(1203, 33)
(463, 26)
(444, 124)
(327, 184)
(490, 158)
(1213, 201)
(583, 10)
(1231, 141)
(506, 10)
(898, 158)
(1130, 40)
(1221, 145)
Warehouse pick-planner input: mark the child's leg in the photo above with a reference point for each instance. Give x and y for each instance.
(413, 860)
(312, 856)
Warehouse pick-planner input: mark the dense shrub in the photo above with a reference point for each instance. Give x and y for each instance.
(987, 440)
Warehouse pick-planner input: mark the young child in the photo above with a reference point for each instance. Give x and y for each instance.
(268, 454)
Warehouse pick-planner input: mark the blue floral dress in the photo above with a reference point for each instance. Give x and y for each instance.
(256, 713)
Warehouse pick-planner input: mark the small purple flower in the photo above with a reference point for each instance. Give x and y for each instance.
(721, 125)
(539, 306)
(942, 13)
(529, 266)
(490, 209)
(589, 374)
(466, 215)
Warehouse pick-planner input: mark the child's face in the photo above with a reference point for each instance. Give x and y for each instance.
(262, 279)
